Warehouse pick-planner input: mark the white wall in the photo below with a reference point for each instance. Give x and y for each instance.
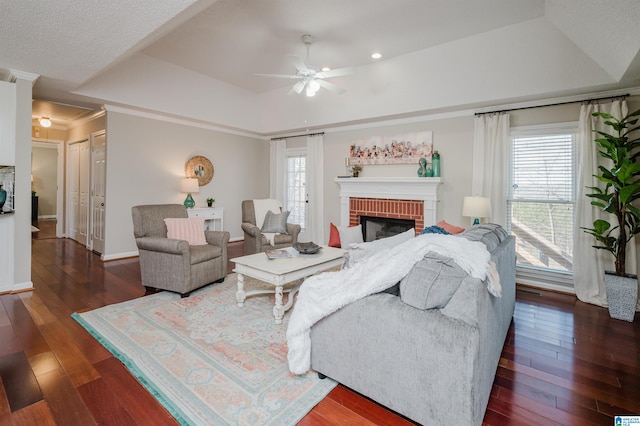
(145, 163)
(44, 169)
(146, 157)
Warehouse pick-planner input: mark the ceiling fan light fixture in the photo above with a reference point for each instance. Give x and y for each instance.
(45, 122)
(312, 88)
(325, 69)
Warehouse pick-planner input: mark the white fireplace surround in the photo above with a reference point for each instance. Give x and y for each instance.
(395, 188)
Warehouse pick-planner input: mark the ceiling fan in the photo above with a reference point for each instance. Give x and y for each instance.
(310, 78)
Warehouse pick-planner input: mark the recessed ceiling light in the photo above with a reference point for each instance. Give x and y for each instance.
(325, 69)
(376, 55)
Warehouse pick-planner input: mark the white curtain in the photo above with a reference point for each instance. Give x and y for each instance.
(588, 263)
(277, 169)
(315, 189)
(490, 172)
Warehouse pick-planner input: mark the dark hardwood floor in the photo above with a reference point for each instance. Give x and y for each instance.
(564, 362)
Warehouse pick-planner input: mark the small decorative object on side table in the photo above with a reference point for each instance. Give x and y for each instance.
(210, 202)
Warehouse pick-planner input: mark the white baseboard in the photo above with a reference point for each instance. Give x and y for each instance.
(118, 256)
(236, 239)
(546, 285)
(27, 285)
(47, 216)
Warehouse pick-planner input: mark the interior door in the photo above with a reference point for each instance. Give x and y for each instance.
(83, 190)
(78, 184)
(98, 189)
(73, 197)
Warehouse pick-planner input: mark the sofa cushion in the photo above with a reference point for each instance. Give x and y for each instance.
(189, 229)
(359, 251)
(275, 222)
(490, 234)
(431, 282)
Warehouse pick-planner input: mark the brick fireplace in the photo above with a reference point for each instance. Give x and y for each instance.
(400, 198)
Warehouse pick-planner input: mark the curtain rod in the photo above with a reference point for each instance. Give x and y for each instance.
(559, 103)
(298, 136)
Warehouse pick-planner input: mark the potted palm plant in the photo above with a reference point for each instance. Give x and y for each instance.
(621, 191)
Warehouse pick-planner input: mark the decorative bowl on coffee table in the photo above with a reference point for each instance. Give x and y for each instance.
(307, 248)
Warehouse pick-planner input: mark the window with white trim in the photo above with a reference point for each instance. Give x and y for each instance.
(542, 196)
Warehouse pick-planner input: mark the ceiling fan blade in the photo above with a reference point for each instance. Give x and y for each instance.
(297, 88)
(330, 86)
(336, 73)
(299, 63)
(279, 75)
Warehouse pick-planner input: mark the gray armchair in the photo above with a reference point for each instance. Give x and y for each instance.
(254, 241)
(174, 265)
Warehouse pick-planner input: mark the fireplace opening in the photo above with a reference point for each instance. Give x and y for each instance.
(374, 228)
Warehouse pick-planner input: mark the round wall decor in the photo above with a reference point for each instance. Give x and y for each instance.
(201, 168)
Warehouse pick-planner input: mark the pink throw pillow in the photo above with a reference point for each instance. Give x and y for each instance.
(452, 229)
(190, 229)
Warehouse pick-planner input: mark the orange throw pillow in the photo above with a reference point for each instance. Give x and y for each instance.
(334, 236)
(452, 229)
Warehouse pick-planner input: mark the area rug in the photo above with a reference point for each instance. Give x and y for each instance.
(207, 360)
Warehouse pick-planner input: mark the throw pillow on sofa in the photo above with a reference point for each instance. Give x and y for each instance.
(452, 229)
(350, 235)
(334, 236)
(431, 282)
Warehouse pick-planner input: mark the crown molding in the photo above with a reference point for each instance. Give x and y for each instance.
(22, 75)
(83, 120)
(184, 121)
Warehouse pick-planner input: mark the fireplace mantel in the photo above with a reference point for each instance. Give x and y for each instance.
(394, 188)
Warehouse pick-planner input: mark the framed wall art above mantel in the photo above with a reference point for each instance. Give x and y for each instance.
(405, 148)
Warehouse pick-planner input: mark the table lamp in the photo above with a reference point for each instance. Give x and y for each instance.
(189, 185)
(476, 207)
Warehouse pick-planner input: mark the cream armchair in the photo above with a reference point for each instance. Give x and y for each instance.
(174, 265)
(254, 241)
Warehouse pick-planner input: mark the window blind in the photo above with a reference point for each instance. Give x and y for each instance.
(542, 198)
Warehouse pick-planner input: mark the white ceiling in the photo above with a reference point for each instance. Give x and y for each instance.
(197, 59)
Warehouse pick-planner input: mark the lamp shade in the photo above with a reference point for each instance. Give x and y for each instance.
(476, 207)
(189, 185)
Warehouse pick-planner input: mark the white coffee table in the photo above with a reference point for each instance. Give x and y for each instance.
(279, 272)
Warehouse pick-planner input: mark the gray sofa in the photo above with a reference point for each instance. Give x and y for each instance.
(434, 366)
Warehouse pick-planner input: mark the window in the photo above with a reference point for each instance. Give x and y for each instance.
(296, 193)
(542, 197)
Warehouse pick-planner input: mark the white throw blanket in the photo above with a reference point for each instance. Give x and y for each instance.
(321, 295)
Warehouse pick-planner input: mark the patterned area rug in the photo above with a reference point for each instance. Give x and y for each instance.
(206, 360)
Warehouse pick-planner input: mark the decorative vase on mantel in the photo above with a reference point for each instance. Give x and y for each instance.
(622, 296)
(3, 197)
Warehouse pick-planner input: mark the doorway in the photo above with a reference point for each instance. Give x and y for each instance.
(47, 177)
